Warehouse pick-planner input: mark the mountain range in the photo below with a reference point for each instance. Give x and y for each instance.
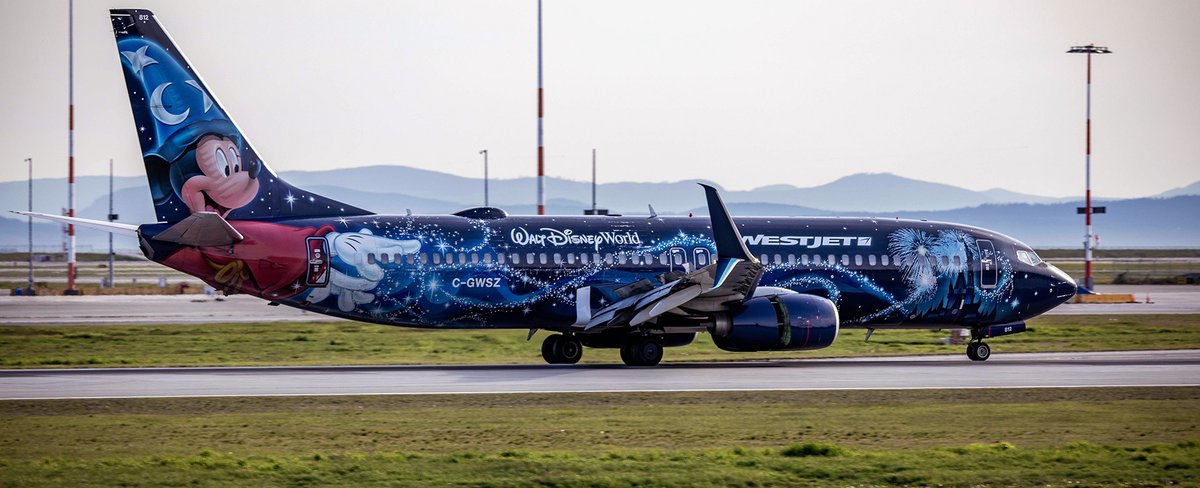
(1170, 219)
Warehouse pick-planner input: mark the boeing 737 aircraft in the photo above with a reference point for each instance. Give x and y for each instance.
(635, 283)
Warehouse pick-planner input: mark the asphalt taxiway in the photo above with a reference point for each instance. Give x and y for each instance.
(192, 309)
(1033, 370)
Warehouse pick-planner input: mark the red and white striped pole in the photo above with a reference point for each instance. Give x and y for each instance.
(1089, 49)
(541, 151)
(70, 147)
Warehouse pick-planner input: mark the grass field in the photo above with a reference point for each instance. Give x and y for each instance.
(350, 344)
(1045, 437)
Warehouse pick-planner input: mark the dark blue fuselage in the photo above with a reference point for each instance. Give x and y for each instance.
(522, 272)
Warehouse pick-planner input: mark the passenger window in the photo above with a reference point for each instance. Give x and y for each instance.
(487, 258)
(542, 258)
(763, 259)
(858, 259)
(437, 258)
(945, 260)
(583, 258)
(883, 259)
(608, 258)
(791, 259)
(804, 259)
(778, 259)
(423, 259)
(529, 258)
(816, 259)
(621, 259)
(570, 258)
(371, 258)
(871, 260)
(557, 258)
(662, 259)
(474, 258)
(957, 260)
(647, 259)
(499, 258)
(832, 260)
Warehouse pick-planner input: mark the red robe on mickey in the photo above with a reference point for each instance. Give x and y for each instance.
(270, 262)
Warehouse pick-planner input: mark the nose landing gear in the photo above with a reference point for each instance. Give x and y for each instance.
(978, 351)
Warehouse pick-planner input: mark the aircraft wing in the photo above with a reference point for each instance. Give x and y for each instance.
(714, 288)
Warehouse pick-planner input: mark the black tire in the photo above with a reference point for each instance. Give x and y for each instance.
(551, 348)
(983, 352)
(650, 352)
(971, 351)
(570, 350)
(642, 351)
(627, 355)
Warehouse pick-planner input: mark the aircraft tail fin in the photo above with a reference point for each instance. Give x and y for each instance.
(197, 160)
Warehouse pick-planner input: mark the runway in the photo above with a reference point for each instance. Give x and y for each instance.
(192, 309)
(1036, 370)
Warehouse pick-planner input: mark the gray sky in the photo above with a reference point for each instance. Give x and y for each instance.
(975, 94)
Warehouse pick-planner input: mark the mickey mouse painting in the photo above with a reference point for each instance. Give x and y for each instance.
(205, 169)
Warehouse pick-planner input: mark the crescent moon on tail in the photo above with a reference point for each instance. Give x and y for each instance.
(160, 112)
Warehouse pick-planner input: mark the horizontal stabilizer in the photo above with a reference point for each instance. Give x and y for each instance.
(113, 227)
(201, 229)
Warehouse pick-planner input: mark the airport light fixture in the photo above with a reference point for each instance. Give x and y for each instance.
(1087, 209)
(29, 287)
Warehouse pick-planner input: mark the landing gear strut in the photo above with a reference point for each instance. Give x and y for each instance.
(641, 351)
(562, 349)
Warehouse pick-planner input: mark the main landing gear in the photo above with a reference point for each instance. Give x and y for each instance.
(562, 349)
(641, 351)
(635, 350)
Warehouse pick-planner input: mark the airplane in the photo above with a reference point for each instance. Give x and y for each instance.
(635, 283)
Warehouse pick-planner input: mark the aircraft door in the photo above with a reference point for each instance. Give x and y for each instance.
(985, 265)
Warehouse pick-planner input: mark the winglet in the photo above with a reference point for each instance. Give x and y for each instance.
(725, 234)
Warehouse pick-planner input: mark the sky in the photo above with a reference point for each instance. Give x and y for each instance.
(977, 94)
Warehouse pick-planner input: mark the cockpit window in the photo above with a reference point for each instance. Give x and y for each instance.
(1029, 257)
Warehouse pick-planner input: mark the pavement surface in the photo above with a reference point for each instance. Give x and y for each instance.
(1033, 370)
(178, 309)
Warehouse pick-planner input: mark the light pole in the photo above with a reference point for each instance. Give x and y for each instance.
(71, 148)
(541, 157)
(112, 217)
(485, 178)
(1087, 210)
(29, 287)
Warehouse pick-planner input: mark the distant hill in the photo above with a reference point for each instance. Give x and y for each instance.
(881, 192)
(1192, 189)
(1140, 222)
(1039, 220)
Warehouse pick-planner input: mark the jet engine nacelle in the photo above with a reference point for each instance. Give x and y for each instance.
(777, 323)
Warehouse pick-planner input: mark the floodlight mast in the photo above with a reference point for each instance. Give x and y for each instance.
(1088, 237)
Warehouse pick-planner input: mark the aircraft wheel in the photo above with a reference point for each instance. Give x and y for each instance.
(570, 350)
(979, 351)
(642, 351)
(551, 347)
(627, 355)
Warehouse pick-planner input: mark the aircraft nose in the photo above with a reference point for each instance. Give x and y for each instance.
(1064, 285)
